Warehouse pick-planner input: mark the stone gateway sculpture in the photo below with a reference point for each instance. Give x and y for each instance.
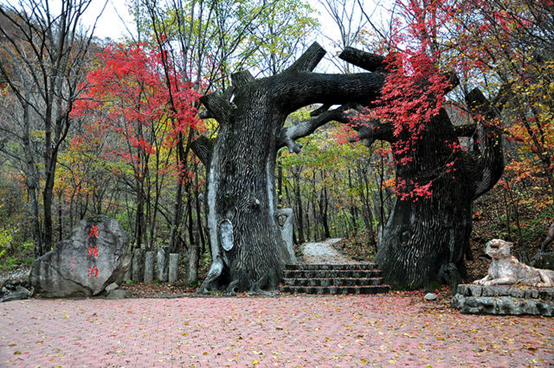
(506, 269)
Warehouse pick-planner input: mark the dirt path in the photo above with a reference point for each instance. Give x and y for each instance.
(324, 253)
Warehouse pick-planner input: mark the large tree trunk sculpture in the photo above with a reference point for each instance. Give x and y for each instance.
(426, 239)
(248, 252)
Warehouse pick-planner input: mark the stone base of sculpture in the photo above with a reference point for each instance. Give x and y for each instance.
(504, 300)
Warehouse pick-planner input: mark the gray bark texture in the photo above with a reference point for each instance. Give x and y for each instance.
(248, 251)
(426, 241)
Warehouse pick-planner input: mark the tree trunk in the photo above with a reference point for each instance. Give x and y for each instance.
(60, 216)
(199, 223)
(32, 182)
(426, 237)
(139, 223)
(247, 249)
(324, 210)
(423, 234)
(241, 202)
(178, 205)
(299, 210)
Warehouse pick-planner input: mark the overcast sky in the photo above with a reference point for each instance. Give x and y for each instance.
(116, 22)
(110, 23)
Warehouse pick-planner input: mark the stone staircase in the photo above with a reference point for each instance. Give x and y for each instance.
(362, 278)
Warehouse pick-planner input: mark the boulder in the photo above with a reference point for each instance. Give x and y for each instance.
(502, 305)
(18, 293)
(96, 255)
(117, 294)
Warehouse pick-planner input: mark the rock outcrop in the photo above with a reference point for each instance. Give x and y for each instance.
(96, 255)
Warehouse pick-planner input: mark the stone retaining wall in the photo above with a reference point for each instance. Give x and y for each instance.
(504, 300)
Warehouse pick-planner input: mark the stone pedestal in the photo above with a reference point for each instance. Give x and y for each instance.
(504, 300)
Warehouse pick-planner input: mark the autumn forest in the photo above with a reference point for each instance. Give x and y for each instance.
(93, 126)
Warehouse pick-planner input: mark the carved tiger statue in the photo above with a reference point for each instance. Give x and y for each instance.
(506, 269)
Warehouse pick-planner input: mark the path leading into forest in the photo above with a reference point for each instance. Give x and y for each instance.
(392, 330)
(324, 253)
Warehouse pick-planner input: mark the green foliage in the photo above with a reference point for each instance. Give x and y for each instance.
(328, 167)
(9, 264)
(5, 239)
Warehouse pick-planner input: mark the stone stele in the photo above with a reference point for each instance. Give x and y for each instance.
(96, 255)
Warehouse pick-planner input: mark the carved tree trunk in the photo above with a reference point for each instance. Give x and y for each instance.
(426, 236)
(425, 239)
(247, 249)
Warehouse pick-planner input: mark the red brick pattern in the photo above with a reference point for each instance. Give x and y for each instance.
(286, 331)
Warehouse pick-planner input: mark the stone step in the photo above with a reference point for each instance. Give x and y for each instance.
(334, 281)
(327, 274)
(336, 290)
(353, 266)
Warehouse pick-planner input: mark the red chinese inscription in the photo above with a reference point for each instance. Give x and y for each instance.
(93, 251)
(93, 232)
(92, 271)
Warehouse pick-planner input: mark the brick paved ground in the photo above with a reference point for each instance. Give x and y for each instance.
(348, 331)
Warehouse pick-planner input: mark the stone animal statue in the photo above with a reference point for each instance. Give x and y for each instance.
(549, 238)
(505, 269)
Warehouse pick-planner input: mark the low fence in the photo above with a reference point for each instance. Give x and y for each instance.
(145, 266)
